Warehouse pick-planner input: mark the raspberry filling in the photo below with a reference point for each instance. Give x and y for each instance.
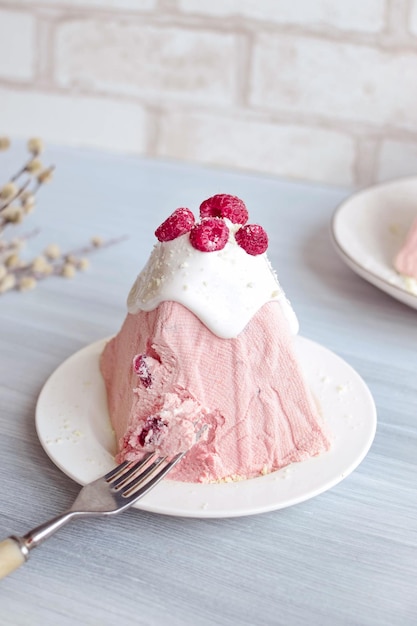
(152, 431)
(141, 368)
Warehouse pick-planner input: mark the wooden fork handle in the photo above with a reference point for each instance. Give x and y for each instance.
(12, 556)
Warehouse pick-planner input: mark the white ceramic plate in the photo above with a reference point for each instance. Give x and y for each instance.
(368, 230)
(73, 426)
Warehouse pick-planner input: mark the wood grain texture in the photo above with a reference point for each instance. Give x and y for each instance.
(347, 557)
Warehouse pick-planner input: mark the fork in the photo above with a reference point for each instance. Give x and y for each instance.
(115, 492)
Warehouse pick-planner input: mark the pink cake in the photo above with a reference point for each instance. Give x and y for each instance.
(205, 358)
(406, 260)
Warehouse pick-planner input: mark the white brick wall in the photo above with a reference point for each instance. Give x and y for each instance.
(17, 52)
(319, 90)
(335, 80)
(131, 5)
(96, 122)
(397, 158)
(285, 150)
(355, 15)
(413, 17)
(128, 58)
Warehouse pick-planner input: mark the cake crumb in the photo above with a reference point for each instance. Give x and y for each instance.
(394, 229)
(341, 388)
(410, 284)
(234, 478)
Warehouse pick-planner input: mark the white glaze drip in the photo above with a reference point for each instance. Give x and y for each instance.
(224, 289)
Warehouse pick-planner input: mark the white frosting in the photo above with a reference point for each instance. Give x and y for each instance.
(224, 289)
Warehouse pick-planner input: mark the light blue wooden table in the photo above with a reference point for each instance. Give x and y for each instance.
(346, 557)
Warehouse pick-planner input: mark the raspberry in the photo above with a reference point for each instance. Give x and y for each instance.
(252, 238)
(180, 222)
(152, 431)
(224, 205)
(210, 235)
(141, 368)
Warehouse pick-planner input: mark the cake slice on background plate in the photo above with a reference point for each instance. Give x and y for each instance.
(205, 357)
(406, 260)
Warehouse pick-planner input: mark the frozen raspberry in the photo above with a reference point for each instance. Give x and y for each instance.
(152, 431)
(223, 205)
(210, 235)
(252, 238)
(141, 368)
(180, 222)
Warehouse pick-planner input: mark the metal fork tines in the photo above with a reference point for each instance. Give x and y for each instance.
(132, 480)
(118, 490)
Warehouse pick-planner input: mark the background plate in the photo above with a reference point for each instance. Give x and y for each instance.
(368, 230)
(73, 426)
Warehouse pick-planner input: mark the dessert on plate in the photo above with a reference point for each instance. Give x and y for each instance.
(406, 260)
(205, 358)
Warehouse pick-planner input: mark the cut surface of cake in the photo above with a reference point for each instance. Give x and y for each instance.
(205, 358)
(406, 260)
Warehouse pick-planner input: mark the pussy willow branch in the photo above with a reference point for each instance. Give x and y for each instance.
(16, 196)
(11, 245)
(58, 264)
(22, 170)
(92, 247)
